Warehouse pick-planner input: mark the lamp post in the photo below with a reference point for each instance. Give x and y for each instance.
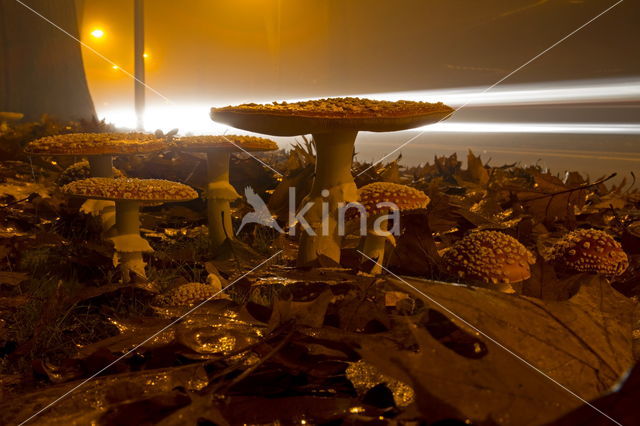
(139, 82)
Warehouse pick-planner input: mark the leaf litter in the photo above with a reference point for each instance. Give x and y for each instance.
(331, 344)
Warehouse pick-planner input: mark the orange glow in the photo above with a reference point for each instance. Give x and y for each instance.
(97, 33)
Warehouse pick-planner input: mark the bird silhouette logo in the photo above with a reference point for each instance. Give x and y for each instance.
(260, 214)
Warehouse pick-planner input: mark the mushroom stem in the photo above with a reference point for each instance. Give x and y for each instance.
(334, 155)
(219, 195)
(128, 217)
(129, 244)
(101, 166)
(374, 245)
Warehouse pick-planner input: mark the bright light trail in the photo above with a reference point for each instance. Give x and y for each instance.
(586, 91)
(573, 128)
(194, 117)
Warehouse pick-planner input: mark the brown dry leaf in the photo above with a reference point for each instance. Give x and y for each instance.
(475, 169)
(584, 343)
(12, 302)
(416, 252)
(201, 409)
(551, 200)
(13, 278)
(621, 406)
(310, 314)
(545, 283)
(391, 171)
(497, 389)
(609, 201)
(301, 180)
(87, 404)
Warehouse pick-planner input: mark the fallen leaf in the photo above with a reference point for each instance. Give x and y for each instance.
(310, 314)
(13, 278)
(583, 343)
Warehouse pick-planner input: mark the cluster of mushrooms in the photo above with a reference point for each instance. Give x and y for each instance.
(482, 257)
(117, 199)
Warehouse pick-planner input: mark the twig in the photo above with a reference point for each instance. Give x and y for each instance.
(578, 188)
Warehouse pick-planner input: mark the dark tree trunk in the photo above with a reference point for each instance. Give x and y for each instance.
(41, 67)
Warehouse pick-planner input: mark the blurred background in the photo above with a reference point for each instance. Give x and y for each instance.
(575, 107)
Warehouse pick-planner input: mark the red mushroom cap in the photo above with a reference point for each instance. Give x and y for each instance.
(590, 250)
(490, 257)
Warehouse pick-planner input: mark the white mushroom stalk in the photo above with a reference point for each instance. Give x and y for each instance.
(129, 245)
(219, 192)
(332, 187)
(383, 201)
(334, 124)
(375, 242)
(101, 166)
(128, 195)
(219, 195)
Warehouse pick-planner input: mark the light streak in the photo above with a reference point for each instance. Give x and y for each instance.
(568, 128)
(587, 91)
(194, 117)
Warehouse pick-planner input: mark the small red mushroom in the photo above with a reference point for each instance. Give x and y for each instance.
(589, 250)
(489, 257)
(376, 198)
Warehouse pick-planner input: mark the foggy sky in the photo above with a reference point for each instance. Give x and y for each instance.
(243, 50)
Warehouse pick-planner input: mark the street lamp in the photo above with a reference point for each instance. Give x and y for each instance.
(97, 33)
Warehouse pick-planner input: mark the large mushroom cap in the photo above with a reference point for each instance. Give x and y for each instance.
(143, 190)
(404, 197)
(590, 250)
(225, 143)
(96, 144)
(331, 115)
(490, 257)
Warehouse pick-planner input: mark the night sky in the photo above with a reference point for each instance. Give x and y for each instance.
(215, 52)
(276, 49)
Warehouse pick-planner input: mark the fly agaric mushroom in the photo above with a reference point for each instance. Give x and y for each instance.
(128, 194)
(334, 124)
(99, 148)
(190, 294)
(590, 250)
(378, 199)
(489, 257)
(81, 170)
(219, 191)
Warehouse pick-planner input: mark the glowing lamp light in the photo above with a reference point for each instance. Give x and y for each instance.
(115, 67)
(97, 33)
(145, 55)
